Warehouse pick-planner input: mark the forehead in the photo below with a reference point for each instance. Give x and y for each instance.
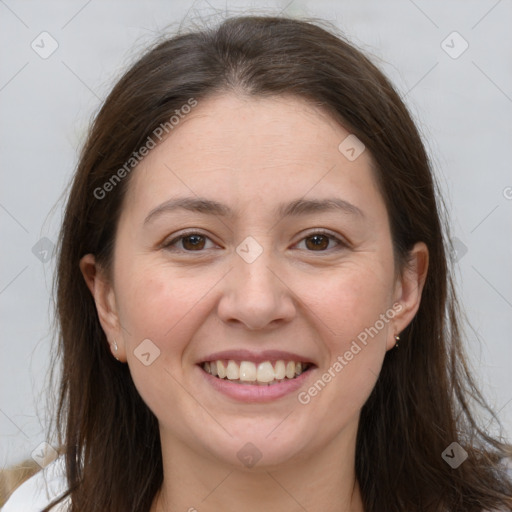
(251, 148)
(266, 128)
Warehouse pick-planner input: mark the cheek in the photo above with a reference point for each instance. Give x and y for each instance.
(352, 300)
(354, 312)
(155, 303)
(164, 307)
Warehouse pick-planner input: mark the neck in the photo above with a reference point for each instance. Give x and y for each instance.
(324, 481)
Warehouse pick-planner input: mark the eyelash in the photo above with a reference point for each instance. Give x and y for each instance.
(330, 236)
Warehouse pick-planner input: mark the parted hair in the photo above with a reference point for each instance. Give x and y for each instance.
(425, 397)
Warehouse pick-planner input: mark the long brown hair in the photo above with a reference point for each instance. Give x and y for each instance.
(425, 394)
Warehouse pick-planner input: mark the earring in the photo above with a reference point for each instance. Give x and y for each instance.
(397, 339)
(114, 345)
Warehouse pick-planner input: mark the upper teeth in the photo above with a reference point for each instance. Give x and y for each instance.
(247, 371)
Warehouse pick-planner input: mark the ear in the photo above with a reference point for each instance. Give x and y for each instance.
(408, 289)
(104, 298)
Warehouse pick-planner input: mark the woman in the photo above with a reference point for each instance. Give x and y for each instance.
(255, 304)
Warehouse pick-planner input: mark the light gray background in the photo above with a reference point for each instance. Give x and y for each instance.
(463, 107)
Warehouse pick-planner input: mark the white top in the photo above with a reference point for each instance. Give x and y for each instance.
(41, 489)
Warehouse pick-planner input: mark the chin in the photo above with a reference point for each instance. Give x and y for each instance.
(258, 450)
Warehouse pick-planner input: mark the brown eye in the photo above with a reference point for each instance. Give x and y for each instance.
(319, 242)
(193, 242)
(188, 242)
(315, 242)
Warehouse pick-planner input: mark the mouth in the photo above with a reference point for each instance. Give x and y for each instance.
(265, 373)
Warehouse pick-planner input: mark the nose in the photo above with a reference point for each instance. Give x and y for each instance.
(256, 294)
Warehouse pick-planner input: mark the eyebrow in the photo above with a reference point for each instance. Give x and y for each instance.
(294, 208)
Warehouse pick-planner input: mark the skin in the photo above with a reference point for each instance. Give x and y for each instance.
(252, 154)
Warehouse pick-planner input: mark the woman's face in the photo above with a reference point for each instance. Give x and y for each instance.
(279, 254)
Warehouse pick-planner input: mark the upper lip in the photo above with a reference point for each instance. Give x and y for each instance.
(256, 357)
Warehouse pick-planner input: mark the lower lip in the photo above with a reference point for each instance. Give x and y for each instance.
(256, 393)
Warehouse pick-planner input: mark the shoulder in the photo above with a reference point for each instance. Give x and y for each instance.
(40, 490)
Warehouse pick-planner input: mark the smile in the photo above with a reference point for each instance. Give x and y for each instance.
(265, 373)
